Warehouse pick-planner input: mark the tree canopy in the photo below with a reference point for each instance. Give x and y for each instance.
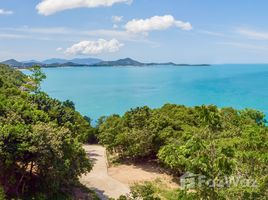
(215, 143)
(40, 138)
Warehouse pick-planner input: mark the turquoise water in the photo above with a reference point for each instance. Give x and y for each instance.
(99, 91)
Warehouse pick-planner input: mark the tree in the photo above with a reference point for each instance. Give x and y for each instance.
(216, 143)
(40, 140)
(69, 104)
(37, 77)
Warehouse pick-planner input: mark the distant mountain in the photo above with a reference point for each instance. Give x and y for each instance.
(12, 62)
(24, 64)
(120, 62)
(131, 62)
(168, 63)
(87, 62)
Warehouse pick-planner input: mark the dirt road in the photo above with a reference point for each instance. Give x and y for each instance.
(98, 179)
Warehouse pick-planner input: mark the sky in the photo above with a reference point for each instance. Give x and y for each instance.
(181, 31)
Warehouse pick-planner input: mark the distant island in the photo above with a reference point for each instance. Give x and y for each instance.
(86, 62)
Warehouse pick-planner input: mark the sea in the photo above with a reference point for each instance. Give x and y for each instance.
(103, 91)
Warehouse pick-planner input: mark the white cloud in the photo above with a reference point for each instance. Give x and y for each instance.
(5, 12)
(117, 19)
(252, 34)
(94, 47)
(49, 7)
(156, 23)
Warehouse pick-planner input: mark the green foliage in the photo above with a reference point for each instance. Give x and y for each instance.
(37, 77)
(144, 191)
(130, 136)
(40, 138)
(204, 140)
(69, 104)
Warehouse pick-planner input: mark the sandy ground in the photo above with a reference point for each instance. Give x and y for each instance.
(115, 181)
(131, 174)
(98, 179)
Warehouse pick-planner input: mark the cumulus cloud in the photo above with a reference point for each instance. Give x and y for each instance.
(156, 23)
(5, 12)
(94, 47)
(49, 7)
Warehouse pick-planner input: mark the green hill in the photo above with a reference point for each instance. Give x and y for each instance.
(40, 139)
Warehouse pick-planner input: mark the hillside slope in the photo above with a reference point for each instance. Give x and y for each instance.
(40, 139)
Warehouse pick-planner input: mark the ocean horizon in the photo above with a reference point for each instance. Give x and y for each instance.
(102, 91)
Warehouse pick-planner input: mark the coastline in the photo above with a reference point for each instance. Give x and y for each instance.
(117, 66)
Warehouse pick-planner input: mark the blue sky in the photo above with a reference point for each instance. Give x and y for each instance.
(182, 31)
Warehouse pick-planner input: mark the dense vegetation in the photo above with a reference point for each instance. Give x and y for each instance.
(40, 139)
(41, 154)
(216, 144)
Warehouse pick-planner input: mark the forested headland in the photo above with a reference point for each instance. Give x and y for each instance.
(226, 148)
(41, 154)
